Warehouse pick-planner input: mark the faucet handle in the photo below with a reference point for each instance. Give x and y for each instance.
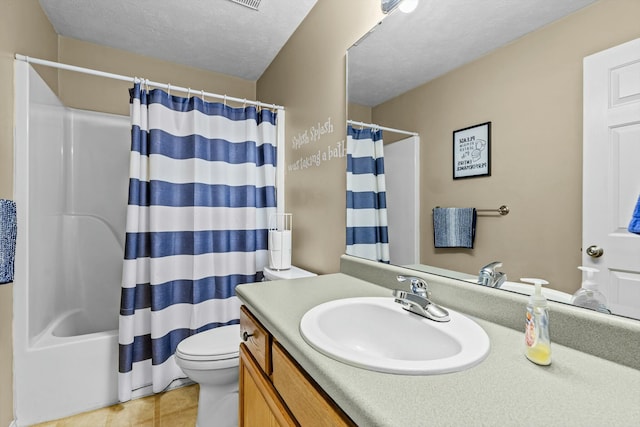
(491, 267)
(418, 286)
(488, 275)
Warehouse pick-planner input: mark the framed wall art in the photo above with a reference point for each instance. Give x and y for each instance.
(472, 151)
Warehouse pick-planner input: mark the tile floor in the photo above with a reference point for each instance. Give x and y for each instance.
(175, 408)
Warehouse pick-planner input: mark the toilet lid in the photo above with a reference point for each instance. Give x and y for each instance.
(214, 344)
(290, 273)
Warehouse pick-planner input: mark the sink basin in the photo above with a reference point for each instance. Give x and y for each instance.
(376, 333)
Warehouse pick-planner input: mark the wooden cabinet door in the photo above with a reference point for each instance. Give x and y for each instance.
(305, 399)
(260, 405)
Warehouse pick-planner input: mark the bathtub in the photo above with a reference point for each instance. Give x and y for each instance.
(66, 375)
(71, 184)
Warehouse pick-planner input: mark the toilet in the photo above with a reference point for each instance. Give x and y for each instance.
(211, 359)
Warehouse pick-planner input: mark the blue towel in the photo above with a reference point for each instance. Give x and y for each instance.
(634, 225)
(8, 230)
(454, 227)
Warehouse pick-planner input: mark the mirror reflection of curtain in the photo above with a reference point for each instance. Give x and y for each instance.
(367, 231)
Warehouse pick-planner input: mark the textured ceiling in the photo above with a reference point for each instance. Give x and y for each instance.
(226, 37)
(216, 35)
(408, 50)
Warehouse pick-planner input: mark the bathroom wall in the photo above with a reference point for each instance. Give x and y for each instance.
(360, 113)
(531, 91)
(111, 96)
(25, 29)
(540, 120)
(308, 77)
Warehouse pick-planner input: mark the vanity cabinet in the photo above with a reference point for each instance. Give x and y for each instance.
(274, 389)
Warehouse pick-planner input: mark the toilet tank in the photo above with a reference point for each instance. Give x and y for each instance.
(290, 273)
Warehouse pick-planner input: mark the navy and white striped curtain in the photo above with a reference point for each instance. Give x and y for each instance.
(367, 232)
(201, 189)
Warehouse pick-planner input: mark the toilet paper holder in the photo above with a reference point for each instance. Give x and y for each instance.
(279, 242)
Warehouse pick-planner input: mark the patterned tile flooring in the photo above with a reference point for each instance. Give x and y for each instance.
(175, 408)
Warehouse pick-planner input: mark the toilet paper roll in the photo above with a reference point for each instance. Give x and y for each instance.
(280, 249)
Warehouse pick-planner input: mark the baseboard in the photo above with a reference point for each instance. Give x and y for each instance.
(148, 391)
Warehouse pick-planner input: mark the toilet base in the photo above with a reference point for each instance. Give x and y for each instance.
(218, 407)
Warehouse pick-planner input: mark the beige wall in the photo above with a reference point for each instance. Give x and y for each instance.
(308, 77)
(360, 113)
(23, 29)
(111, 96)
(531, 91)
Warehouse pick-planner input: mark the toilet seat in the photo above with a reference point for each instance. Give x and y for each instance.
(221, 343)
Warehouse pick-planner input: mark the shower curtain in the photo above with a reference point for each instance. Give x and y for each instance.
(201, 189)
(367, 232)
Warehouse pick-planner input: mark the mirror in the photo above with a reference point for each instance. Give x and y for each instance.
(449, 66)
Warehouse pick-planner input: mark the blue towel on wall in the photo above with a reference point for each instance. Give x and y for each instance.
(8, 230)
(634, 225)
(454, 227)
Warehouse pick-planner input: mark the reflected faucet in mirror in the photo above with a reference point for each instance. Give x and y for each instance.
(490, 277)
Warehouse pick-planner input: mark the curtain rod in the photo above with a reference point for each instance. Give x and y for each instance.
(67, 67)
(370, 125)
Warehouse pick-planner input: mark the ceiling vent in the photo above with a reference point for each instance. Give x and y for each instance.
(251, 4)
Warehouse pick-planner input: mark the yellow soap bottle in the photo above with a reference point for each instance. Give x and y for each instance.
(537, 341)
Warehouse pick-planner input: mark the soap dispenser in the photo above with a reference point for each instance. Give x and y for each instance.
(588, 296)
(537, 341)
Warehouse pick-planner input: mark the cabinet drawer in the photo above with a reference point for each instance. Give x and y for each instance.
(256, 338)
(308, 403)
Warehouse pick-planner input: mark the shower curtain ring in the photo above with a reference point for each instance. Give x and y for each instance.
(169, 89)
(188, 92)
(202, 93)
(224, 100)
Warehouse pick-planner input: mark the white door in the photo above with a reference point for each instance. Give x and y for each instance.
(402, 176)
(611, 173)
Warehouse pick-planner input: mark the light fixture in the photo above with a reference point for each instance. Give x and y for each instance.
(388, 5)
(408, 6)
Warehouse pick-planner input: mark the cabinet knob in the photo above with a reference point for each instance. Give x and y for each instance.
(246, 335)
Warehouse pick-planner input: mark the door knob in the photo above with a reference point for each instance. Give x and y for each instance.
(594, 251)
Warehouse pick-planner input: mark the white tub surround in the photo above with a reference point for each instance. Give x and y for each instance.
(71, 190)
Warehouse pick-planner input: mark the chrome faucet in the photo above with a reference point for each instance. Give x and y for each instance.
(417, 301)
(490, 277)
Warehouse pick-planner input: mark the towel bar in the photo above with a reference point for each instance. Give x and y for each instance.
(502, 210)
